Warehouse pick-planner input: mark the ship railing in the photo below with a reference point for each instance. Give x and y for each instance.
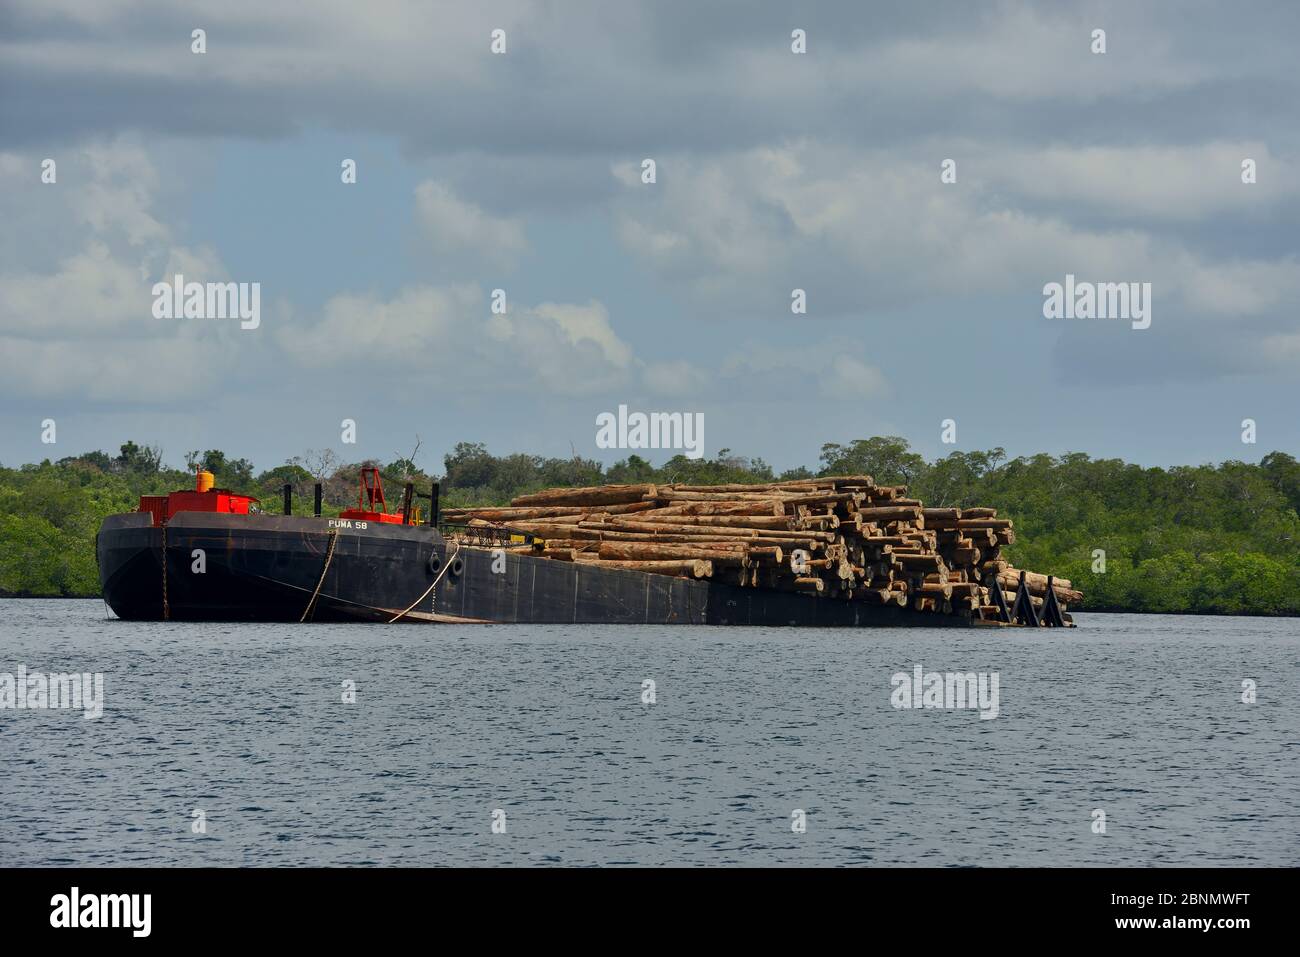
(487, 535)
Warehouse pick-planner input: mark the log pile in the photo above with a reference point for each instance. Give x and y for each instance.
(842, 537)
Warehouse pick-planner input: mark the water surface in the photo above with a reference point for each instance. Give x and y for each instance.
(1139, 716)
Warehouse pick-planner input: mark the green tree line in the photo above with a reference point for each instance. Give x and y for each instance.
(1220, 539)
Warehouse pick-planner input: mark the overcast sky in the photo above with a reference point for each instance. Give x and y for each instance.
(775, 171)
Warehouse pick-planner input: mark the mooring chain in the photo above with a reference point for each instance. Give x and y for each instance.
(329, 557)
(167, 612)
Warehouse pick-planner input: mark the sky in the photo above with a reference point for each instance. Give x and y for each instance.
(775, 170)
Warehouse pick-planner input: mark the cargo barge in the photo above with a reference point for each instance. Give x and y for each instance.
(212, 555)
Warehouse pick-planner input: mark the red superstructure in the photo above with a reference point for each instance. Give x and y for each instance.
(371, 506)
(204, 498)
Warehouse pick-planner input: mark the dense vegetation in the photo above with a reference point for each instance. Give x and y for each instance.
(1212, 539)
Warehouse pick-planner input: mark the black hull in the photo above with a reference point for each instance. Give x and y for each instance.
(261, 568)
(267, 568)
(547, 591)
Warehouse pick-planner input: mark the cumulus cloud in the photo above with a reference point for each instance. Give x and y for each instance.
(579, 324)
(449, 337)
(366, 328)
(82, 324)
(454, 226)
(831, 368)
(1180, 184)
(866, 233)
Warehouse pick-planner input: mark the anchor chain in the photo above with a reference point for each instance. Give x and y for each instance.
(167, 612)
(445, 566)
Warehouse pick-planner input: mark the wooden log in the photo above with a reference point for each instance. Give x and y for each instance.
(577, 545)
(596, 495)
(517, 523)
(619, 524)
(886, 540)
(558, 511)
(891, 514)
(624, 551)
(810, 584)
(821, 522)
(757, 487)
(1034, 578)
(1038, 588)
(696, 540)
(941, 514)
(718, 521)
(866, 481)
(768, 507)
(703, 538)
(690, 567)
(668, 494)
(719, 489)
(671, 528)
(927, 562)
(548, 531)
(821, 498)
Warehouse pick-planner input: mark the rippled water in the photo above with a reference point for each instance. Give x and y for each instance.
(1140, 716)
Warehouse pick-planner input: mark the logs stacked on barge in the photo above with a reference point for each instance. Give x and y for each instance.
(841, 537)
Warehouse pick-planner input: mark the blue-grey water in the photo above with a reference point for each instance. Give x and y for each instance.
(1140, 717)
